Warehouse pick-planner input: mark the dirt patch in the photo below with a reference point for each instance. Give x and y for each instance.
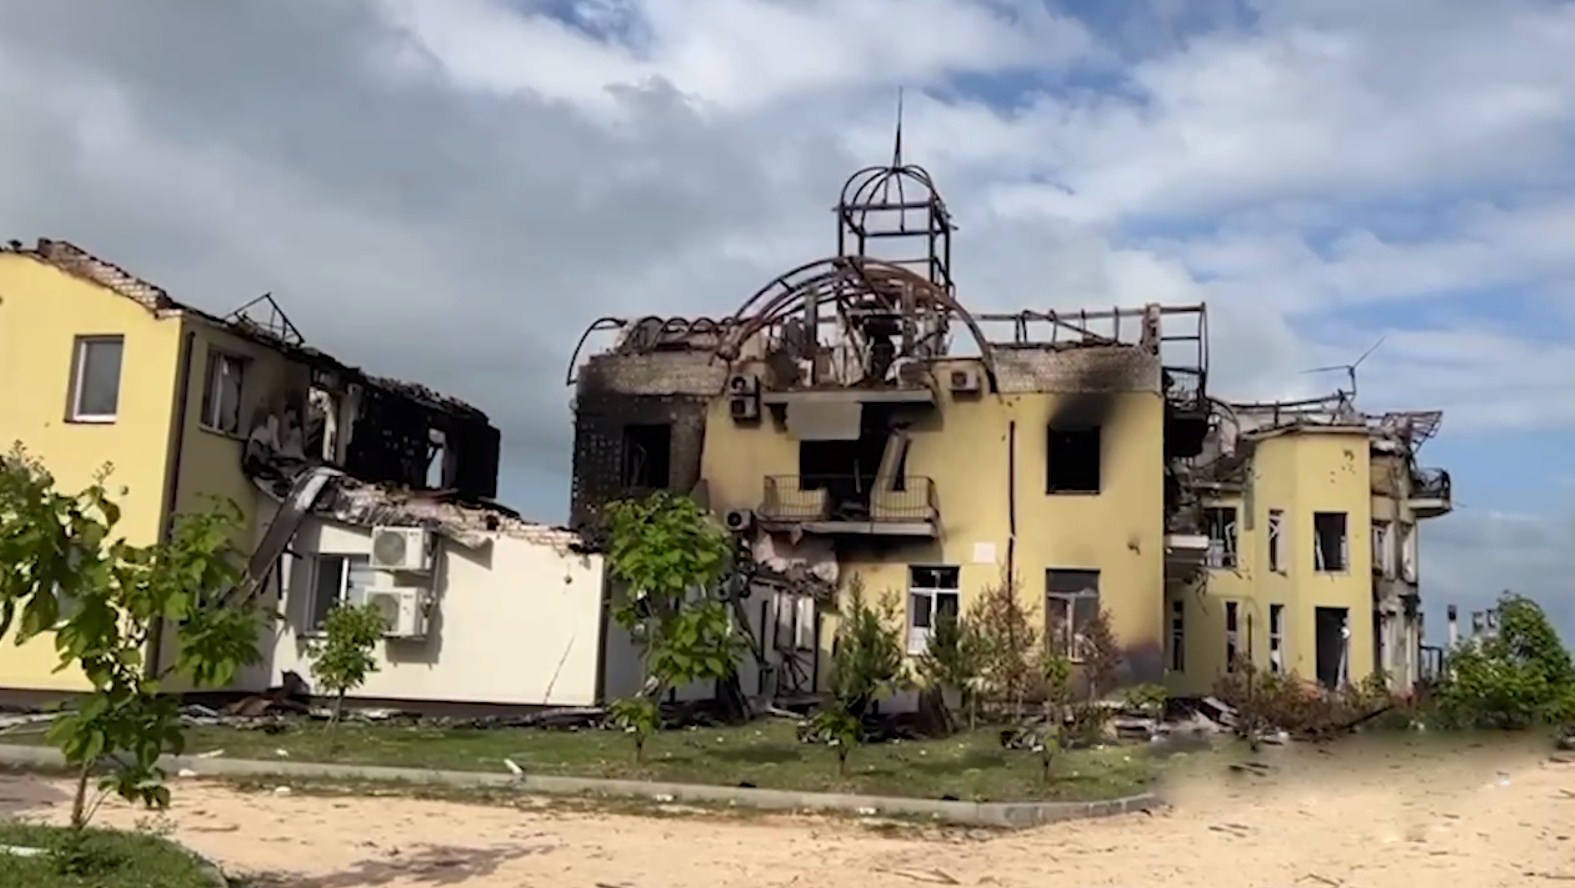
(1350, 816)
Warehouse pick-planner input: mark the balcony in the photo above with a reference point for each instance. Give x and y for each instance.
(1430, 493)
(903, 506)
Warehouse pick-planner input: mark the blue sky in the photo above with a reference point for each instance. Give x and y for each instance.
(449, 190)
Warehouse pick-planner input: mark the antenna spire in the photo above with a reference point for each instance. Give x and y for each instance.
(896, 151)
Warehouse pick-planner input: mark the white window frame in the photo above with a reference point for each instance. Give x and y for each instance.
(1178, 635)
(1071, 646)
(1225, 552)
(1277, 540)
(1345, 545)
(212, 402)
(346, 560)
(79, 352)
(919, 636)
(1277, 639)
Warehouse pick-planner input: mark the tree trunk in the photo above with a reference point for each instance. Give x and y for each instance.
(333, 719)
(79, 802)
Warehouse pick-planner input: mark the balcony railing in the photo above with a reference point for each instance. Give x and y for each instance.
(910, 499)
(1430, 484)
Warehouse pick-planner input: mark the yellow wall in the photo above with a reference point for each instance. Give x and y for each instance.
(42, 311)
(962, 444)
(1299, 473)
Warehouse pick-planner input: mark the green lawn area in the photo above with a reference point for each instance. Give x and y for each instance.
(765, 753)
(109, 860)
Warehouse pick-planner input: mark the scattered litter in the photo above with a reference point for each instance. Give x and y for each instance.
(210, 754)
(867, 812)
(1314, 877)
(282, 753)
(662, 797)
(934, 876)
(185, 772)
(281, 790)
(514, 769)
(20, 851)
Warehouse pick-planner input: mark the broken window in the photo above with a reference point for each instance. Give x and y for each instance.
(1232, 650)
(1073, 461)
(932, 596)
(1178, 635)
(336, 580)
(1221, 525)
(1277, 638)
(647, 456)
(1383, 549)
(796, 616)
(222, 391)
(95, 378)
(437, 459)
(1071, 606)
(1276, 540)
(1331, 549)
(1408, 552)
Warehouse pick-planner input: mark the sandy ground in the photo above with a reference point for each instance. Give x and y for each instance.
(1347, 817)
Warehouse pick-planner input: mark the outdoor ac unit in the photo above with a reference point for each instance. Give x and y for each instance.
(403, 614)
(965, 379)
(739, 520)
(399, 548)
(744, 407)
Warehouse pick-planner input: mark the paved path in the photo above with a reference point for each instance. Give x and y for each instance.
(1470, 819)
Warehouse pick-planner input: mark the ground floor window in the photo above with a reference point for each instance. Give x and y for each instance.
(932, 595)
(1277, 638)
(1232, 650)
(336, 580)
(1178, 635)
(1071, 606)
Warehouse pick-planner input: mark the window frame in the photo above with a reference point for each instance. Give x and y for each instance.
(1094, 431)
(347, 562)
(1232, 635)
(1319, 565)
(1178, 635)
(918, 637)
(212, 401)
(1276, 534)
(79, 354)
(1277, 639)
(1071, 647)
(1229, 551)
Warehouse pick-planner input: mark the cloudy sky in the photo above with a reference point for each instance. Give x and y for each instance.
(449, 190)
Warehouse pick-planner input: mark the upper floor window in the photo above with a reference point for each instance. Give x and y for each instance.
(95, 378)
(222, 391)
(1277, 540)
(1331, 549)
(1073, 461)
(1220, 521)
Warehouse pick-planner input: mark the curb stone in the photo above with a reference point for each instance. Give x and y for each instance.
(1013, 815)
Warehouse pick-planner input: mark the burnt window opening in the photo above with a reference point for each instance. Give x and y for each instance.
(849, 470)
(1232, 648)
(437, 459)
(1073, 461)
(1331, 548)
(1220, 522)
(647, 456)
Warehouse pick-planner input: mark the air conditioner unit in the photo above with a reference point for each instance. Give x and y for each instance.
(399, 548)
(965, 379)
(404, 615)
(744, 407)
(743, 384)
(739, 520)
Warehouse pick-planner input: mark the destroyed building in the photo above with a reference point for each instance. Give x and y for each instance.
(855, 418)
(352, 488)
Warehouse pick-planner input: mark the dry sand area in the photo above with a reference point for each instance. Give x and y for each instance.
(1351, 815)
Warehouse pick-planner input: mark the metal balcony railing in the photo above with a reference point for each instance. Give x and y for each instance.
(848, 498)
(1430, 484)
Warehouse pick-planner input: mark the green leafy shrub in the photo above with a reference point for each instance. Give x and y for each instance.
(951, 663)
(342, 659)
(839, 729)
(1519, 677)
(639, 717)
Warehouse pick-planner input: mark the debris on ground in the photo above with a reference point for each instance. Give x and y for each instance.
(1218, 711)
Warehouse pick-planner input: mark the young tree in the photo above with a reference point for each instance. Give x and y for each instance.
(867, 663)
(639, 718)
(672, 557)
(343, 659)
(62, 548)
(1009, 643)
(950, 664)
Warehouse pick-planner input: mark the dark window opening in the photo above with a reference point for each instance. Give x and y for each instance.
(1073, 461)
(437, 459)
(1221, 525)
(1277, 638)
(647, 456)
(1071, 607)
(1178, 635)
(847, 470)
(1331, 551)
(1232, 651)
(1332, 640)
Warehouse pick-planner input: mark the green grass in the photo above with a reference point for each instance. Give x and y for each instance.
(106, 859)
(765, 754)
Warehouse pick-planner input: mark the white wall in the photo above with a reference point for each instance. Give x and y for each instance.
(515, 621)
